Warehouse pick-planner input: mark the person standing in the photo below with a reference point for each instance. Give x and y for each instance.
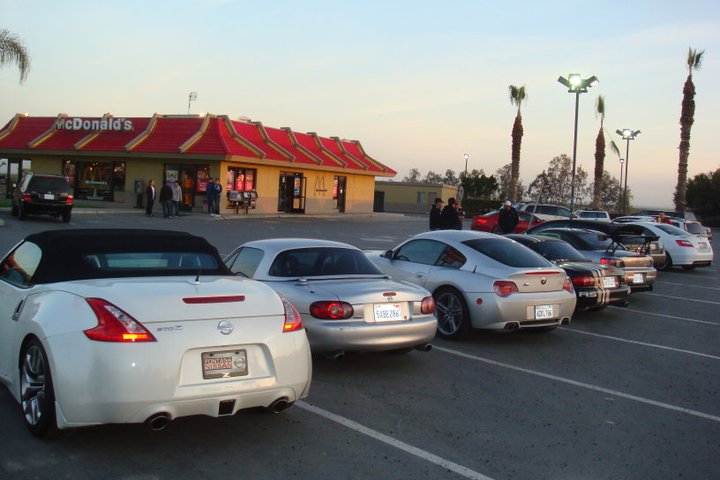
(166, 200)
(217, 192)
(449, 216)
(461, 216)
(210, 193)
(662, 218)
(176, 197)
(507, 218)
(150, 198)
(435, 211)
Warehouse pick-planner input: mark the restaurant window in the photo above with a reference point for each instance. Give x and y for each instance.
(240, 179)
(97, 180)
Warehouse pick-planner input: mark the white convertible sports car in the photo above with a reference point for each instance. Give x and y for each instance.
(130, 326)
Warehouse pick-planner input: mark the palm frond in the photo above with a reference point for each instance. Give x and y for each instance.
(12, 50)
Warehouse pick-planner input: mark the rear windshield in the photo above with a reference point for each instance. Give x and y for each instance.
(559, 251)
(148, 262)
(49, 184)
(594, 241)
(675, 231)
(695, 228)
(507, 252)
(322, 261)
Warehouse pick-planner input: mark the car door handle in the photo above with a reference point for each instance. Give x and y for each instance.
(419, 275)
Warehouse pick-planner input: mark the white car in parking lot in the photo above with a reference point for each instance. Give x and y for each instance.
(681, 248)
(129, 326)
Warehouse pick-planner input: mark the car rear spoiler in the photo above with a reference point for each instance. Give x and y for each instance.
(629, 233)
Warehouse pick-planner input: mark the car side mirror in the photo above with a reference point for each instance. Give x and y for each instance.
(387, 254)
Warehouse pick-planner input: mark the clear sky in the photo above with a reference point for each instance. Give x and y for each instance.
(419, 83)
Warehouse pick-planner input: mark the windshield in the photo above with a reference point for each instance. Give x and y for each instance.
(322, 261)
(507, 252)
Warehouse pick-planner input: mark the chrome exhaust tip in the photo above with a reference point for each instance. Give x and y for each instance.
(512, 326)
(279, 405)
(565, 321)
(425, 347)
(158, 421)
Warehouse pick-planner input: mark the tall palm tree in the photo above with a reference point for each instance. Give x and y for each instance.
(687, 118)
(599, 152)
(517, 95)
(12, 50)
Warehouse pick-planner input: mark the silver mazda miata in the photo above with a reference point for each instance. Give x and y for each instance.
(346, 302)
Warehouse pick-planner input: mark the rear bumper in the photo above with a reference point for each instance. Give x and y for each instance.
(517, 310)
(592, 298)
(39, 208)
(357, 335)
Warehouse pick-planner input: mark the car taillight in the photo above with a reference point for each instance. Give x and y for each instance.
(684, 243)
(114, 325)
(584, 281)
(479, 220)
(427, 305)
(293, 320)
(331, 310)
(608, 261)
(69, 199)
(504, 288)
(568, 286)
(26, 197)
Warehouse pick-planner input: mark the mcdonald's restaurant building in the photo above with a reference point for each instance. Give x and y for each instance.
(109, 160)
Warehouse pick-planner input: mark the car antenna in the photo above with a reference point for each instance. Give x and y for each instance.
(197, 278)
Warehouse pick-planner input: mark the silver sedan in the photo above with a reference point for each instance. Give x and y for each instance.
(346, 302)
(481, 280)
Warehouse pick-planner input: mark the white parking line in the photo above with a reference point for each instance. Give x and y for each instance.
(588, 386)
(680, 298)
(644, 344)
(685, 285)
(666, 316)
(393, 442)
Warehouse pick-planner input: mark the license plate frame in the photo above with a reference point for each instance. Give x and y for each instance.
(224, 363)
(544, 312)
(48, 196)
(609, 282)
(387, 312)
(638, 278)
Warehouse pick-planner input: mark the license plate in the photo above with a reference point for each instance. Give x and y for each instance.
(543, 311)
(609, 282)
(702, 245)
(387, 312)
(48, 196)
(224, 364)
(638, 278)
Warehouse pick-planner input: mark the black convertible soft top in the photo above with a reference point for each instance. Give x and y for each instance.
(65, 253)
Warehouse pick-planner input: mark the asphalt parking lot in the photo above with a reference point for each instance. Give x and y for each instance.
(618, 394)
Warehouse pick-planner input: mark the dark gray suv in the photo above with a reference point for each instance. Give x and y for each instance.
(43, 194)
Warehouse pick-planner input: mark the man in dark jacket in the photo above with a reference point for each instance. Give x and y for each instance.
(166, 196)
(449, 218)
(150, 198)
(435, 214)
(507, 218)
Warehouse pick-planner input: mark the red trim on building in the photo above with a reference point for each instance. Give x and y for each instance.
(190, 135)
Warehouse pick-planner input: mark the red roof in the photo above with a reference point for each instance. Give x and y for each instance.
(178, 135)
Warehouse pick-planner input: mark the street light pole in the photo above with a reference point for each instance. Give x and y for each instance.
(577, 85)
(627, 135)
(467, 155)
(620, 200)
